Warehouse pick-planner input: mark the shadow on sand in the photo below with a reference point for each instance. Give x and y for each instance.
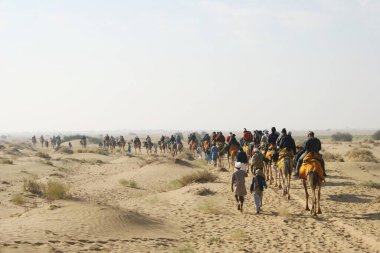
(350, 198)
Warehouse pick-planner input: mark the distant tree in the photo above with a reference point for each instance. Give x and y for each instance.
(376, 135)
(341, 137)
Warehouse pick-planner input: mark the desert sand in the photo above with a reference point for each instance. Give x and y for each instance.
(101, 213)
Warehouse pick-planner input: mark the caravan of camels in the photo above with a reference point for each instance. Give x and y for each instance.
(271, 157)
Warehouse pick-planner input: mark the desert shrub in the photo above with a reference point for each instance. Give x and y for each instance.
(128, 183)
(203, 176)
(43, 155)
(32, 186)
(55, 190)
(376, 135)
(205, 191)
(18, 199)
(330, 157)
(361, 155)
(6, 161)
(81, 151)
(341, 137)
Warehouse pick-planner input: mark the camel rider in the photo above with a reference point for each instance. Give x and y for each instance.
(312, 144)
(172, 139)
(233, 141)
(220, 138)
(206, 137)
(264, 138)
(229, 138)
(162, 139)
(286, 141)
(178, 139)
(192, 137)
(272, 138)
(136, 141)
(148, 140)
(213, 137)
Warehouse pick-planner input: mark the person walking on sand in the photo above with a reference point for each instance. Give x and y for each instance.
(257, 160)
(214, 153)
(257, 188)
(208, 155)
(238, 184)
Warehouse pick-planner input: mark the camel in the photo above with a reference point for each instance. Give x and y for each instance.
(83, 142)
(148, 145)
(46, 144)
(34, 140)
(137, 144)
(193, 145)
(272, 158)
(53, 142)
(205, 145)
(233, 149)
(221, 152)
(311, 172)
(112, 144)
(42, 141)
(285, 166)
(121, 143)
(106, 141)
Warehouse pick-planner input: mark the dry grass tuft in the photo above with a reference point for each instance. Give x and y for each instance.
(18, 199)
(128, 183)
(330, 157)
(32, 186)
(203, 176)
(6, 161)
(361, 155)
(205, 191)
(43, 155)
(55, 190)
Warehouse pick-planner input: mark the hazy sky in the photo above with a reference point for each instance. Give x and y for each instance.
(97, 65)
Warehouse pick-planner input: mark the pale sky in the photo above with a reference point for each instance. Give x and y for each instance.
(106, 65)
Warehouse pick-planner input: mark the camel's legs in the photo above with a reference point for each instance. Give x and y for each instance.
(306, 194)
(319, 198)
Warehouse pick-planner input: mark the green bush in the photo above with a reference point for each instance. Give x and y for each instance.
(341, 137)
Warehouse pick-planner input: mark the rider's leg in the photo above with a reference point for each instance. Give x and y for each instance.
(299, 163)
